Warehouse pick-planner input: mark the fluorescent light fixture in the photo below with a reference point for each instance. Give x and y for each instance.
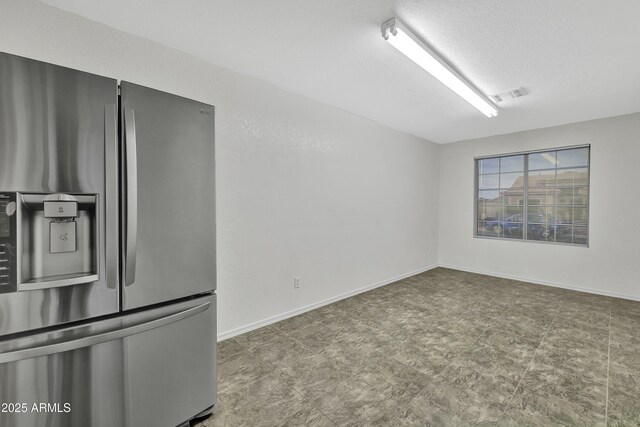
(415, 49)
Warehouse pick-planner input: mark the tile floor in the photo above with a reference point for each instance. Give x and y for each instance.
(441, 348)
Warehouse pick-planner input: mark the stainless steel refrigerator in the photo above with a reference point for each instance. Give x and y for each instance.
(107, 251)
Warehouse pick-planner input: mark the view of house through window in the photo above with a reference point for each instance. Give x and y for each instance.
(541, 195)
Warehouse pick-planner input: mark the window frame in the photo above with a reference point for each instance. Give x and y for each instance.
(525, 202)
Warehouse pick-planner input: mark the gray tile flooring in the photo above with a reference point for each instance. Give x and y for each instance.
(441, 348)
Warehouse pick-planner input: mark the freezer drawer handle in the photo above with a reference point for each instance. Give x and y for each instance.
(131, 227)
(74, 344)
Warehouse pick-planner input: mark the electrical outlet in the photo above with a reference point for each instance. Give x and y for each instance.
(296, 283)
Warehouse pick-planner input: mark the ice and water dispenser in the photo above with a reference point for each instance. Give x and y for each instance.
(47, 240)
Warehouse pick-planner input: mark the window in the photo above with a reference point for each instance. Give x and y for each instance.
(535, 196)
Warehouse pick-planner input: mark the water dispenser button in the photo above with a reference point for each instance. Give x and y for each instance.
(62, 237)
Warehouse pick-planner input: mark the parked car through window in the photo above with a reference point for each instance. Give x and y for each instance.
(549, 188)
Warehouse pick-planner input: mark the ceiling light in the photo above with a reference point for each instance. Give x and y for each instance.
(415, 49)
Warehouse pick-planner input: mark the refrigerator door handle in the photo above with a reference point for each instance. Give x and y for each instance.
(131, 182)
(111, 194)
(91, 340)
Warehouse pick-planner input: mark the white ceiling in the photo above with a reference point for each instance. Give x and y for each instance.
(579, 59)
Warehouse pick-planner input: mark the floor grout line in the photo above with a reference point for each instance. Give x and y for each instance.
(492, 323)
(530, 362)
(404, 407)
(306, 400)
(606, 404)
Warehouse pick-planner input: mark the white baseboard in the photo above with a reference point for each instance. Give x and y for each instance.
(542, 282)
(286, 315)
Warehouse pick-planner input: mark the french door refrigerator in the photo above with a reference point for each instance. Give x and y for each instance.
(107, 251)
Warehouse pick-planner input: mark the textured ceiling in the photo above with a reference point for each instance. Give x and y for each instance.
(579, 59)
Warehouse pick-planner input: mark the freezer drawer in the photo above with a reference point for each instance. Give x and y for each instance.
(155, 367)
